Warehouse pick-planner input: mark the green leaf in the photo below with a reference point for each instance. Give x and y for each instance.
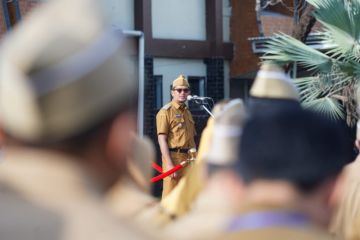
(284, 49)
(328, 106)
(341, 20)
(357, 71)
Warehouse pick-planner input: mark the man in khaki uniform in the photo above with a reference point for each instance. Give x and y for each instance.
(176, 131)
(67, 109)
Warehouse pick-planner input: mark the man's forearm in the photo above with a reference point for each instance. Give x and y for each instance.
(164, 148)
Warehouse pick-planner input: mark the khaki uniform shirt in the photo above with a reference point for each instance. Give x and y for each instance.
(206, 220)
(175, 121)
(46, 195)
(296, 232)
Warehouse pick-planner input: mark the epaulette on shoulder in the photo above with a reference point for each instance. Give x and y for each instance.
(167, 106)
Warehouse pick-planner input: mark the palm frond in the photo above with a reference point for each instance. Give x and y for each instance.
(327, 106)
(341, 20)
(333, 12)
(305, 82)
(357, 71)
(284, 49)
(345, 45)
(322, 85)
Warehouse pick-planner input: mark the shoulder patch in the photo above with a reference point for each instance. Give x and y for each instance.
(167, 106)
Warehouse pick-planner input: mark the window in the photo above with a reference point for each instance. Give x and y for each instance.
(158, 91)
(198, 86)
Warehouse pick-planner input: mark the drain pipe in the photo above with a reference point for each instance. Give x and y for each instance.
(141, 92)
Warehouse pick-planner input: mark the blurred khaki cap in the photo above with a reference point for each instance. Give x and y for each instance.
(226, 133)
(63, 72)
(272, 82)
(180, 81)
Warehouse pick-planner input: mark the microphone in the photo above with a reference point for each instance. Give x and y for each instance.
(194, 97)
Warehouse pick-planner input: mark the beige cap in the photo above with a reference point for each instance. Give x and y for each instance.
(180, 81)
(63, 72)
(226, 133)
(272, 82)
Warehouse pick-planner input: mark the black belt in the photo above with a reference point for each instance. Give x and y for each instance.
(181, 150)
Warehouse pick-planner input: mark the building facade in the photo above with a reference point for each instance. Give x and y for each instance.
(181, 37)
(214, 43)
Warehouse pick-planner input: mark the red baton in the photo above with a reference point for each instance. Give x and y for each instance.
(167, 173)
(157, 167)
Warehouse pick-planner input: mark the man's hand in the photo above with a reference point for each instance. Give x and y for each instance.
(164, 148)
(169, 166)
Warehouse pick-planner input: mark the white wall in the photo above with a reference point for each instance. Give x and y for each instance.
(175, 19)
(226, 20)
(170, 69)
(120, 13)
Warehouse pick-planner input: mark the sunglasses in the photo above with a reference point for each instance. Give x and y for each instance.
(179, 90)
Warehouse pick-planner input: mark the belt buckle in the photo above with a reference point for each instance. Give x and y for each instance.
(178, 150)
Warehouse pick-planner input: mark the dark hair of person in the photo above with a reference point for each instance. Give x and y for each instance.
(296, 145)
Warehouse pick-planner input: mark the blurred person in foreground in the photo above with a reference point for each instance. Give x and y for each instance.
(219, 197)
(346, 222)
(2, 140)
(289, 162)
(272, 90)
(134, 186)
(67, 111)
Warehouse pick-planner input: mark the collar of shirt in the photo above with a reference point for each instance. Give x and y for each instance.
(178, 105)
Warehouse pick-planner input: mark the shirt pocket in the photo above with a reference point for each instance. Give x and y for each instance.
(178, 128)
(179, 124)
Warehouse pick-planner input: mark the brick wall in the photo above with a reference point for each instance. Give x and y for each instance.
(277, 24)
(286, 7)
(243, 25)
(284, 24)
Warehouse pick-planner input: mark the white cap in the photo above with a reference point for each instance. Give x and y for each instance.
(272, 82)
(226, 133)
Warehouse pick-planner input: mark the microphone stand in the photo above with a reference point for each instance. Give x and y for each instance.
(203, 106)
(207, 110)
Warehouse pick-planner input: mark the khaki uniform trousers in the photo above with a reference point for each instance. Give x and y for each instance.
(170, 183)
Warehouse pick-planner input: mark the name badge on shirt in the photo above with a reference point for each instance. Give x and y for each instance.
(178, 115)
